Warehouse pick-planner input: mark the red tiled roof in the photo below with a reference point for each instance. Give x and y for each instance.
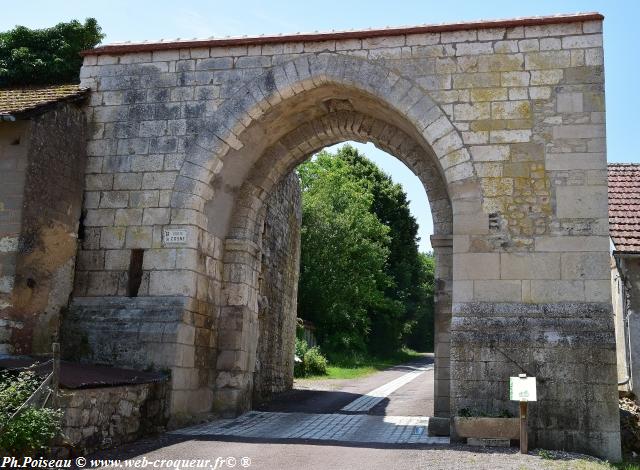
(122, 48)
(624, 206)
(15, 102)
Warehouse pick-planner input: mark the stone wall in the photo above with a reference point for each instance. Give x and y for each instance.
(503, 123)
(278, 290)
(105, 417)
(628, 314)
(14, 146)
(43, 186)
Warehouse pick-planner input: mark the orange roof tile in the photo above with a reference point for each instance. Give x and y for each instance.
(20, 101)
(624, 206)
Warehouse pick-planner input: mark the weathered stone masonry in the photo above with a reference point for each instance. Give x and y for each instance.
(504, 124)
(278, 290)
(42, 161)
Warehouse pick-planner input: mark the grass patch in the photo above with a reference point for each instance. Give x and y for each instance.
(353, 367)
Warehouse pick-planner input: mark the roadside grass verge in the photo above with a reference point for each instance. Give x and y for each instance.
(353, 367)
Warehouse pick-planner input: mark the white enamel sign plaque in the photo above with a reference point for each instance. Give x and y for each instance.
(522, 388)
(174, 236)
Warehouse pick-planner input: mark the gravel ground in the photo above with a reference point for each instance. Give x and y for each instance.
(272, 455)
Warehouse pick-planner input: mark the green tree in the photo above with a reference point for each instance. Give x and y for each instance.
(404, 265)
(344, 251)
(421, 337)
(46, 56)
(401, 311)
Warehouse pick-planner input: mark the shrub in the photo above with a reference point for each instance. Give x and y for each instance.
(301, 348)
(32, 430)
(309, 361)
(314, 362)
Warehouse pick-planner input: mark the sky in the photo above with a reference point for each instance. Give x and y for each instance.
(163, 19)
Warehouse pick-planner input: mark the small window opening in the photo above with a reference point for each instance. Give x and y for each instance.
(135, 272)
(81, 228)
(16, 141)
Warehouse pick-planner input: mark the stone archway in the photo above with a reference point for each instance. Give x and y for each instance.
(242, 255)
(510, 113)
(269, 126)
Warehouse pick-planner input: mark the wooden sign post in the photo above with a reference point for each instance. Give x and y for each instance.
(523, 389)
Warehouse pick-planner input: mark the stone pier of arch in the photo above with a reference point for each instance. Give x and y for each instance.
(504, 124)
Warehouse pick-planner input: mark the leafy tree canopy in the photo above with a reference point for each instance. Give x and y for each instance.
(46, 56)
(363, 282)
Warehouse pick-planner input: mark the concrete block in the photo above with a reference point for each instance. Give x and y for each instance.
(487, 442)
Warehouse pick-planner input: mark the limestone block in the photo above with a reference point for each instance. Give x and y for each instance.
(127, 181)
(98, 182)
(114, 199)
(458, 36)
(497, 291)
(159, 259)
(581, 201)
(116, 260)
(578, 131)
(510, 137)
(572, 243)
(528, 45)
(511, 110)
(476, 266)
(490, 153)
(586, 265)
(142, 199)
(139, 237)
(594, 57)
(474, 48)
(575, 161)
(159, 180)
(488, 94)
(529, 266)
(540, 93)
(177, 282)
(505, 47)
(99, 217)
(582, 41)
(557, 291)
(113, 237)
(519, 79)
(471, 112)
(127, 217)
(147, 163)
(156, 216)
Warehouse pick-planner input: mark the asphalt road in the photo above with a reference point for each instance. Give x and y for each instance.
(329, 396)
(413, 399)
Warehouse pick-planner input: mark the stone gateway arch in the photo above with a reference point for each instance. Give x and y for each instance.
(504, 124)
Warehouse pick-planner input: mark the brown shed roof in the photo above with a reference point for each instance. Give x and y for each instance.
(624, 206)
(17, 103)
(123, 48)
